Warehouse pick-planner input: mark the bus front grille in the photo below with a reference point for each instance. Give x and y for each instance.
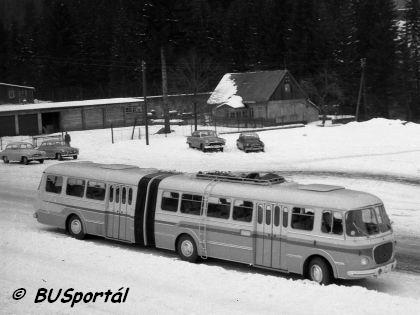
(383, 253)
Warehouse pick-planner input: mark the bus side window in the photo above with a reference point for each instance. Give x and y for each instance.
(95, 190)
(130, 196)
(123, 197)
(170, 201)
(75, 187)
(111, 193)
(285, 216)
(54, 184)
(260, 214)
(268, 215)
(218, 208)
(332, 222)
(302, 219)
(191, 204)
(117, 195)
(326, 222)
(242, 210)
(337, 227)
(276, 216)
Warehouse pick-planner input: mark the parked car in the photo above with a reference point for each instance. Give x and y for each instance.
(249, 141)
(57, 149)
(206, 140)
(22, 152)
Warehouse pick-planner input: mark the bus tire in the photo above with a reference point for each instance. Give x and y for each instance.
(41, 161)
(5, 159)
(59, 157)
(319, 271)
(187, 249)
(75, 227)
(25, 160)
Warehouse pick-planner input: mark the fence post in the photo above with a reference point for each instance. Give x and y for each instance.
(134, 127)
(112, 134)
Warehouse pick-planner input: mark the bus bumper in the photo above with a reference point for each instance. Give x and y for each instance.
(375, 272)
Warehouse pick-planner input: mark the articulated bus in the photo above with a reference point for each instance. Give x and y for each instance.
(320, 231)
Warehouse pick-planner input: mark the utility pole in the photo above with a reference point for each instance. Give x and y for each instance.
(361, 87)
(146, 123)
(165, 90)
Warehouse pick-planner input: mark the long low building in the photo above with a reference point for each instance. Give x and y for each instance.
(44, 118)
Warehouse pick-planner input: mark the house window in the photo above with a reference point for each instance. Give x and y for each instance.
(11, 94)
(287, 87)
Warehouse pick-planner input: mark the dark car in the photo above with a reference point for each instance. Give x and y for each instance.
(57, 149)
(205, 140)
(249, 141)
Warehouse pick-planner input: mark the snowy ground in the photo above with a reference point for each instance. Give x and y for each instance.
(34, 256)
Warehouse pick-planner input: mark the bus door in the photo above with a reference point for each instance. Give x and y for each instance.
(276, 239)
(123, 213)
(264, 234)
(113, 222)
(268, 235)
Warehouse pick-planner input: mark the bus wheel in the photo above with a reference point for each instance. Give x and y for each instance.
(187, 249)
(5, 159)
(25, 160)
(59, 157)
(319, 271)
(75, 227)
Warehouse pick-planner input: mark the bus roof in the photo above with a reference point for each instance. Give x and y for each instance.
(117, 173)
(312, 195)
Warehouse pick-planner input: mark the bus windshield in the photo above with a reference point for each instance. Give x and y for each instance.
(366, 222)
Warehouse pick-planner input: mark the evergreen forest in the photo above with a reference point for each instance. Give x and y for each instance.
(78, 49)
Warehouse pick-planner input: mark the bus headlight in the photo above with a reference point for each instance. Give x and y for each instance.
(364, 261)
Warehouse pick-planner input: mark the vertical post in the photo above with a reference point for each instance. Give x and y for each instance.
(362, 79)
(146, 122)
(112, 134)
(195, 113)
(134, 128)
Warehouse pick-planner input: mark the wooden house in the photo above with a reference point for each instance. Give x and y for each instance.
(16, 94)
(270, 95)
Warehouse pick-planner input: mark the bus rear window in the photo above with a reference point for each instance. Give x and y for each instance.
(54, 184)
(95, 190)
(75, 187)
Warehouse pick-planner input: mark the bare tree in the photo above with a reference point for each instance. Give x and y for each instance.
(194, 74)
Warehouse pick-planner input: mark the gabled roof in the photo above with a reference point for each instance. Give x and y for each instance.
(251, 86)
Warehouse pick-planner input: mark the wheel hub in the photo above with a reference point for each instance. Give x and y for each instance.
(316, 273)
(187, 248)
(76, 226)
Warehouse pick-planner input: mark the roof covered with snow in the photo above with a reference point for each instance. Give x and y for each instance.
(55, 105)
(249, 86)
(18, 86)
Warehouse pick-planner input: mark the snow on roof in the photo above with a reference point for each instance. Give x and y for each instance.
(106, 101)
(19, 86)
(252, 87)
(225, 93)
